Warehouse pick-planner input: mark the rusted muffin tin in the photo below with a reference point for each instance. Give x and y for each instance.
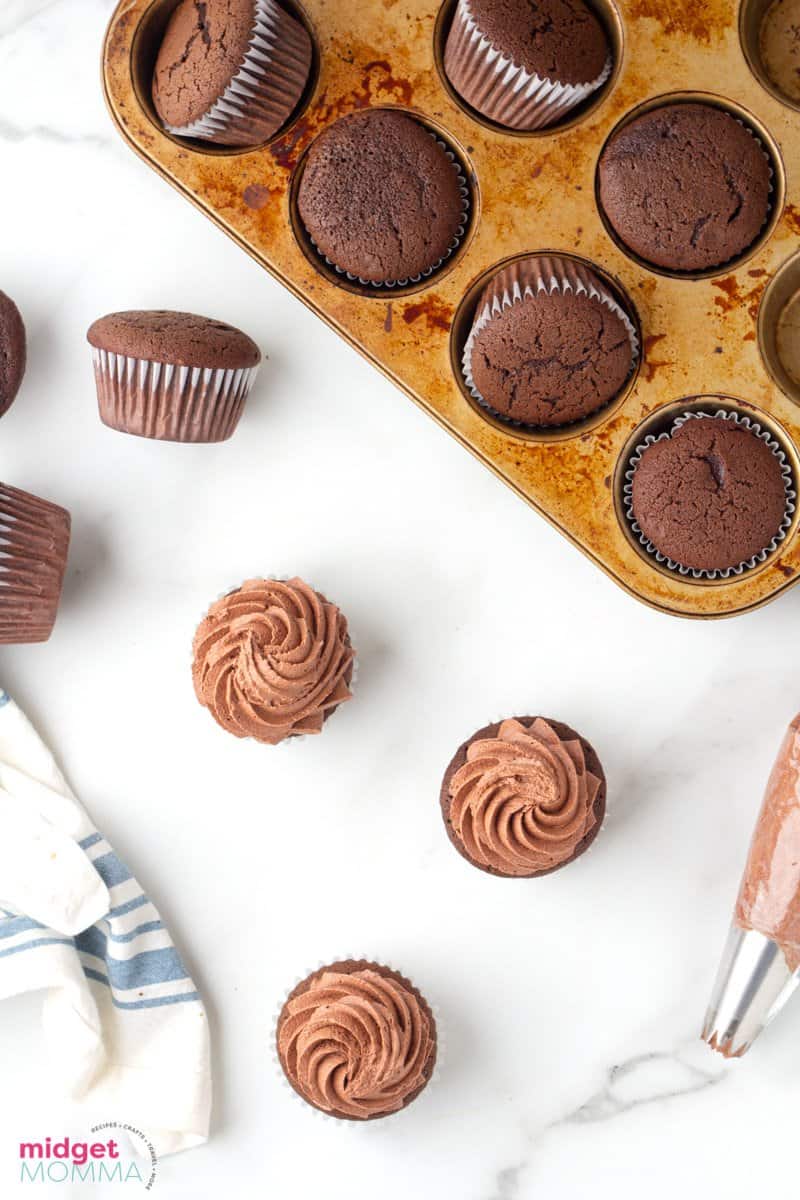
(710, 336)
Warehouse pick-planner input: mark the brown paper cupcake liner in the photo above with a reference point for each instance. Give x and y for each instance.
(451, 249)
(501, 89)
(788, 484)
(330, 1118)
(352, 684)
(524, 279)
(167, 402)
(266, 88)
(34, 542)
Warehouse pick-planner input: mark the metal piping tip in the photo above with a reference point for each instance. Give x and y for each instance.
(753, 983)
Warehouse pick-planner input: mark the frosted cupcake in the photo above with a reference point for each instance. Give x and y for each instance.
(230, 71)
(526, 66)
(523, 797)
(272, 660)
(356, 1040)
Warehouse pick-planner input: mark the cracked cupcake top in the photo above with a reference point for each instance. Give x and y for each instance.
(379, 196)
(523, 797)
(357, 1040)
(710, 496)
(272, 660)
(685, 186)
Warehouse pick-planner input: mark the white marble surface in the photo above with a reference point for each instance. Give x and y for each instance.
(572, 1004)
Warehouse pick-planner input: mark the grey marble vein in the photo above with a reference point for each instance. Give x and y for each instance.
(9, 132)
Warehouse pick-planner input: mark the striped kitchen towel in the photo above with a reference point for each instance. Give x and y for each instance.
(125, 1025)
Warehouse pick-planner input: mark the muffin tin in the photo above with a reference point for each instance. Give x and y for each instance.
(713, 336)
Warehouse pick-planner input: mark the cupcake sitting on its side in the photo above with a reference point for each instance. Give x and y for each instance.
(12, 352)
(172, 376)
(272, 660)
(356, 1040)
(523, 797)
(523, 65)
(230, 71)
(549, 344)
(34, 535)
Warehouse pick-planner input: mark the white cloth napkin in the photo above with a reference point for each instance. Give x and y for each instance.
(125, 1025)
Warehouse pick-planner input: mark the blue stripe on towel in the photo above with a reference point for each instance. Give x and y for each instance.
(111, 870)
(89, 841)
(122, 909)
(153, 1002)
(48, 941)
(151, 966)
(14, 925)
(4, 698)
(147, 927)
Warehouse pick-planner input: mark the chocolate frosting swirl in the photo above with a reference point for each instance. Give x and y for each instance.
(272, 660)
(524, 799)
(357, 1043)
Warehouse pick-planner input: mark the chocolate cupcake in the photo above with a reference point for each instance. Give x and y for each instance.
(549, 344)
(356, 1040)
(35, 541)
(382, 199)
(272, 660)
(172, 376)
(230, 71)
(711, 496)
(523, 797)
(686, 186)
(523, 65)
(12, 352)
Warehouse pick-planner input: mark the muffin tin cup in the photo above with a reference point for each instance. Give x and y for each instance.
(464, 192)
(788, 483)
(266, 88)
(170, 403)
(34, 543)
(294, 738)
(502, 90)
(353, 1124)
(525, 279)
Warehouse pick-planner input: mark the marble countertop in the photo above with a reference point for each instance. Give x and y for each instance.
(572, 1004)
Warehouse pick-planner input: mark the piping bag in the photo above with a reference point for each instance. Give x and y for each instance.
(760, 966)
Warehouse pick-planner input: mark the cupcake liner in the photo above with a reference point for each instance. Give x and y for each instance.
(167, 402)
(330, 1118)
(34, 541)
(527, 278)
(266, 88)
(295, 737)
(451, 249)
(788, 483)
(500, 89)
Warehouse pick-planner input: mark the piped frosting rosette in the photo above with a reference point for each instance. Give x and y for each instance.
(503, 90)
(523, 797)
(265, 89)
(356, 1040)
(272, 660)
(526, 278)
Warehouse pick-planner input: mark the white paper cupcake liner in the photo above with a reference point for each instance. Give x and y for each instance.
(389, 1118)
(501, 89)
(463, 190)
(266, 88)
(167, 402)
(522, 280)
(788, 483)
(294, 738)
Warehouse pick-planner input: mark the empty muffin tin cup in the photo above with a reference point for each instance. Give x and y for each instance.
(354, 1123)
(525, 278)
(787, 472)
(771, 50)
(779, 327)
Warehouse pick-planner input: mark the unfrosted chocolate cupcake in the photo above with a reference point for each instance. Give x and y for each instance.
(685, 186)
(172, 375)
(381, 198)
(34, 535)
(272, 660)
(230, 71)
(523, 797)
(12, 352)
(356, 1040)
(549, 344)
(526, 65)
(711, 496)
